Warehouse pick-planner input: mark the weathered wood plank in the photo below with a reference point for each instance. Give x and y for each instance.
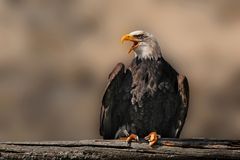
(117, 149)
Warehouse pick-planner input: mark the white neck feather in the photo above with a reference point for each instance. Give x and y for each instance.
(145, 51)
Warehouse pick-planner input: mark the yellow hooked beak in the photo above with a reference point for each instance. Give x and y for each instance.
(128, 37)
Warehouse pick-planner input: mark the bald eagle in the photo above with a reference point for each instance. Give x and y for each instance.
(148, 99)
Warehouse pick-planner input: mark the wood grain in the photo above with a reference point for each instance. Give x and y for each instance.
(117, 149)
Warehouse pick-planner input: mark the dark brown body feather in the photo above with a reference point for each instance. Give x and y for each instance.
(149, 96)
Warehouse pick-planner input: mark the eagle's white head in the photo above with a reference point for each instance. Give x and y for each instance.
(145, 45)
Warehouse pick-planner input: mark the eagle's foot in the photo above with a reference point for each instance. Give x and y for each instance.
(152, 138)
(132, 137)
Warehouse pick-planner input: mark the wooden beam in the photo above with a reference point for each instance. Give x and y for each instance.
(117, 149)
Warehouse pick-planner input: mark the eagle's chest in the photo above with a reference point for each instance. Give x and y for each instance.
(145, 80)
(151, 103)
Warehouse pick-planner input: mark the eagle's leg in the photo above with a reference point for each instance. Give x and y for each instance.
(123, 134)
(132, 137)
(152, 138)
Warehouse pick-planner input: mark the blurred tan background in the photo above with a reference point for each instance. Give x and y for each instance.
(55, 56)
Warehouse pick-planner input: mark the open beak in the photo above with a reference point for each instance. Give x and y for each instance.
(128, 37)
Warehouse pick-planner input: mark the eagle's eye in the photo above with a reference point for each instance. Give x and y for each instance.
(140, 36)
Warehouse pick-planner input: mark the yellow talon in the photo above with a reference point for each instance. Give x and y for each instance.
(152, 138)
(132, 137)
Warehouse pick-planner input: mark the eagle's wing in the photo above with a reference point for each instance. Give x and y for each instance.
(183, 89)
(109, 121)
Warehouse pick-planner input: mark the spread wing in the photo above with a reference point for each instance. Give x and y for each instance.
(110, 118)
(183, 89)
